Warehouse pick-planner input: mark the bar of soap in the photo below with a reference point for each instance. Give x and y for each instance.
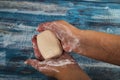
(48, 45)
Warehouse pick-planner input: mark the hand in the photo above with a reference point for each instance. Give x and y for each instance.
(65, 32)
(62, 68)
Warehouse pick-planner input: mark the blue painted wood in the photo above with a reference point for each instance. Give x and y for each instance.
(18, 23)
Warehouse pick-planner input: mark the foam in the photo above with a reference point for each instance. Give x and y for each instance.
(73, 42)
(57, 63)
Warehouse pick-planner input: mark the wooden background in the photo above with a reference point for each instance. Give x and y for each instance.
(18, 22)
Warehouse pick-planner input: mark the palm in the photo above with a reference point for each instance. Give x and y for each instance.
(52, 67)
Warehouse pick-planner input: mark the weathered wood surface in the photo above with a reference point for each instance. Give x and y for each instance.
(18, 22)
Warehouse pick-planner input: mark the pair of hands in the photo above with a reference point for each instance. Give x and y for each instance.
(64, 67)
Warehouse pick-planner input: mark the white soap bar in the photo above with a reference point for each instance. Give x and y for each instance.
(48, 45)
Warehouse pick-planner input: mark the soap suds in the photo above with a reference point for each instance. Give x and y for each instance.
(72, 42)
(58, 63)
(51, 65)
(47, 68)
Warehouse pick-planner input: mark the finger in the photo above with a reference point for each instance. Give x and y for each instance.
(47, 26)
(52, 26)
(32, 62)
(41, 66)
(66, 24)
(43, 26)
(36, 64)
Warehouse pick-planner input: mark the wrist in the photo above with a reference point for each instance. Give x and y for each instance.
(73, 73)
(81, 45)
